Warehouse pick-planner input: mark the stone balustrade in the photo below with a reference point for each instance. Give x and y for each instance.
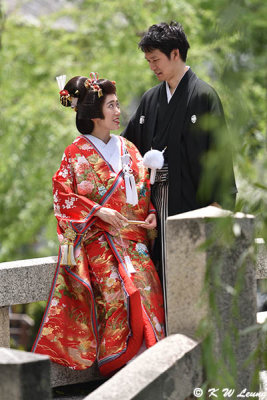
(24, 375)
(27, 281)
(211, 275)
(169, 370)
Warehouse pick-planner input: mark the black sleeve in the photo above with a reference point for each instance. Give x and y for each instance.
(220, 158)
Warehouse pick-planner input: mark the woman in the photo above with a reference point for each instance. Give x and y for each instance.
(106, 298)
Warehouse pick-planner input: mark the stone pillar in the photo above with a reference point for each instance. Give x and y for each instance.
(210, 277)
(24, 376)
(4, 327)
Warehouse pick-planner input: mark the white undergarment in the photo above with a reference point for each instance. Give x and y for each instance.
(111, 151)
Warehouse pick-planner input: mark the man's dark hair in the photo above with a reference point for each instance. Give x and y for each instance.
(165, 37)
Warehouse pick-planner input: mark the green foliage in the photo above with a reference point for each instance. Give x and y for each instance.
(228, 43)
(35, 128)
(228, 49)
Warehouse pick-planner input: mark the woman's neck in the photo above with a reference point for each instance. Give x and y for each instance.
(102, 135)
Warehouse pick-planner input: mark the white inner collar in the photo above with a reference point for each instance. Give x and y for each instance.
(111, 151)
(168, 92)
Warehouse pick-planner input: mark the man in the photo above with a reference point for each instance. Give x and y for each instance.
(184, 116)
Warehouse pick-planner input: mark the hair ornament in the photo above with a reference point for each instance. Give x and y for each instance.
(91, 83)
(94, 76)
(65, 98)
(61, 81)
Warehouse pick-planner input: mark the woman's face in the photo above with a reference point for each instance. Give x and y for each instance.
(111, 112)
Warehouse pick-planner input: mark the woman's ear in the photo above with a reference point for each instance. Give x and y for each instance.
(95, 120)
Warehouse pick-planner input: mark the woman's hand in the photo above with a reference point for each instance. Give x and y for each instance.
(151, 222)
(112, 217)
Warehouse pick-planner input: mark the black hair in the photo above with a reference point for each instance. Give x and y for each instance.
(89, 104)
(165, 37)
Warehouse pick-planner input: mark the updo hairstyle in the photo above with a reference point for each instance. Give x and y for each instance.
(89, 104)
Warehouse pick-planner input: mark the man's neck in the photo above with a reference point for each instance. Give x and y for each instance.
(174, 82)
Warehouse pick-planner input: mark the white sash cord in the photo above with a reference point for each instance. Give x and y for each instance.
(130, 187)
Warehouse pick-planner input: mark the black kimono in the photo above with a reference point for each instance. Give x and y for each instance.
(188, 126)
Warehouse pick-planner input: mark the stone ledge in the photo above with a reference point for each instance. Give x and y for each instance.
(26, 281)
(24, 375)
(209, 212)
(62, 376)
(171, 369)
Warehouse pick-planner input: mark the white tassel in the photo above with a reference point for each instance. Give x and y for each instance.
(129, 265)
(130, 186)
(134, 191)
(64, 254)
(153, 175)
(127, 188)
(61, 80)
(71, 259)
(67, 255)
(154, 160)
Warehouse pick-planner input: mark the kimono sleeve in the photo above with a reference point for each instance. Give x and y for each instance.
(69, 206)
(152, 209)
(222, 162)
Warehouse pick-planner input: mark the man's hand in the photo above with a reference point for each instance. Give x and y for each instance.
(112, 217)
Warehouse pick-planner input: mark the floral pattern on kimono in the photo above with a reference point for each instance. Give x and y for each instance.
(97, 310)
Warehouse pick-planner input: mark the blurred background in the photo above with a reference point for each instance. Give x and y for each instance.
(41, 39)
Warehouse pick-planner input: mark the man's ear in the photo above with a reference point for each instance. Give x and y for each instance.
(175, 54)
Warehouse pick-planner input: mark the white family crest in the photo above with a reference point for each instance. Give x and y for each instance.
(142, 120)
(194, 119)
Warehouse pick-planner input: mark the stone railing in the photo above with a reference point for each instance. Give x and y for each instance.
(29, 281)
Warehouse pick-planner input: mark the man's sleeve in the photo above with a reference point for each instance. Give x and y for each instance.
(221, 145)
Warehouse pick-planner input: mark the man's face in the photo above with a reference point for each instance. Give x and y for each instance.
(163, 67)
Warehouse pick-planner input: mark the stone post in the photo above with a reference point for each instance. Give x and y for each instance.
(210, 277)
(4, 327)
(24, 376)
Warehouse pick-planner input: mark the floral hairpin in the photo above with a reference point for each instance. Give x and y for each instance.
(65, 98)
(91, 83)
(64, 94)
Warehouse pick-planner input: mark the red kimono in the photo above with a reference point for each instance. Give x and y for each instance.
(99, 310)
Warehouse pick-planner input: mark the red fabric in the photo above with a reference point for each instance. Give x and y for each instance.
(97, 310)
